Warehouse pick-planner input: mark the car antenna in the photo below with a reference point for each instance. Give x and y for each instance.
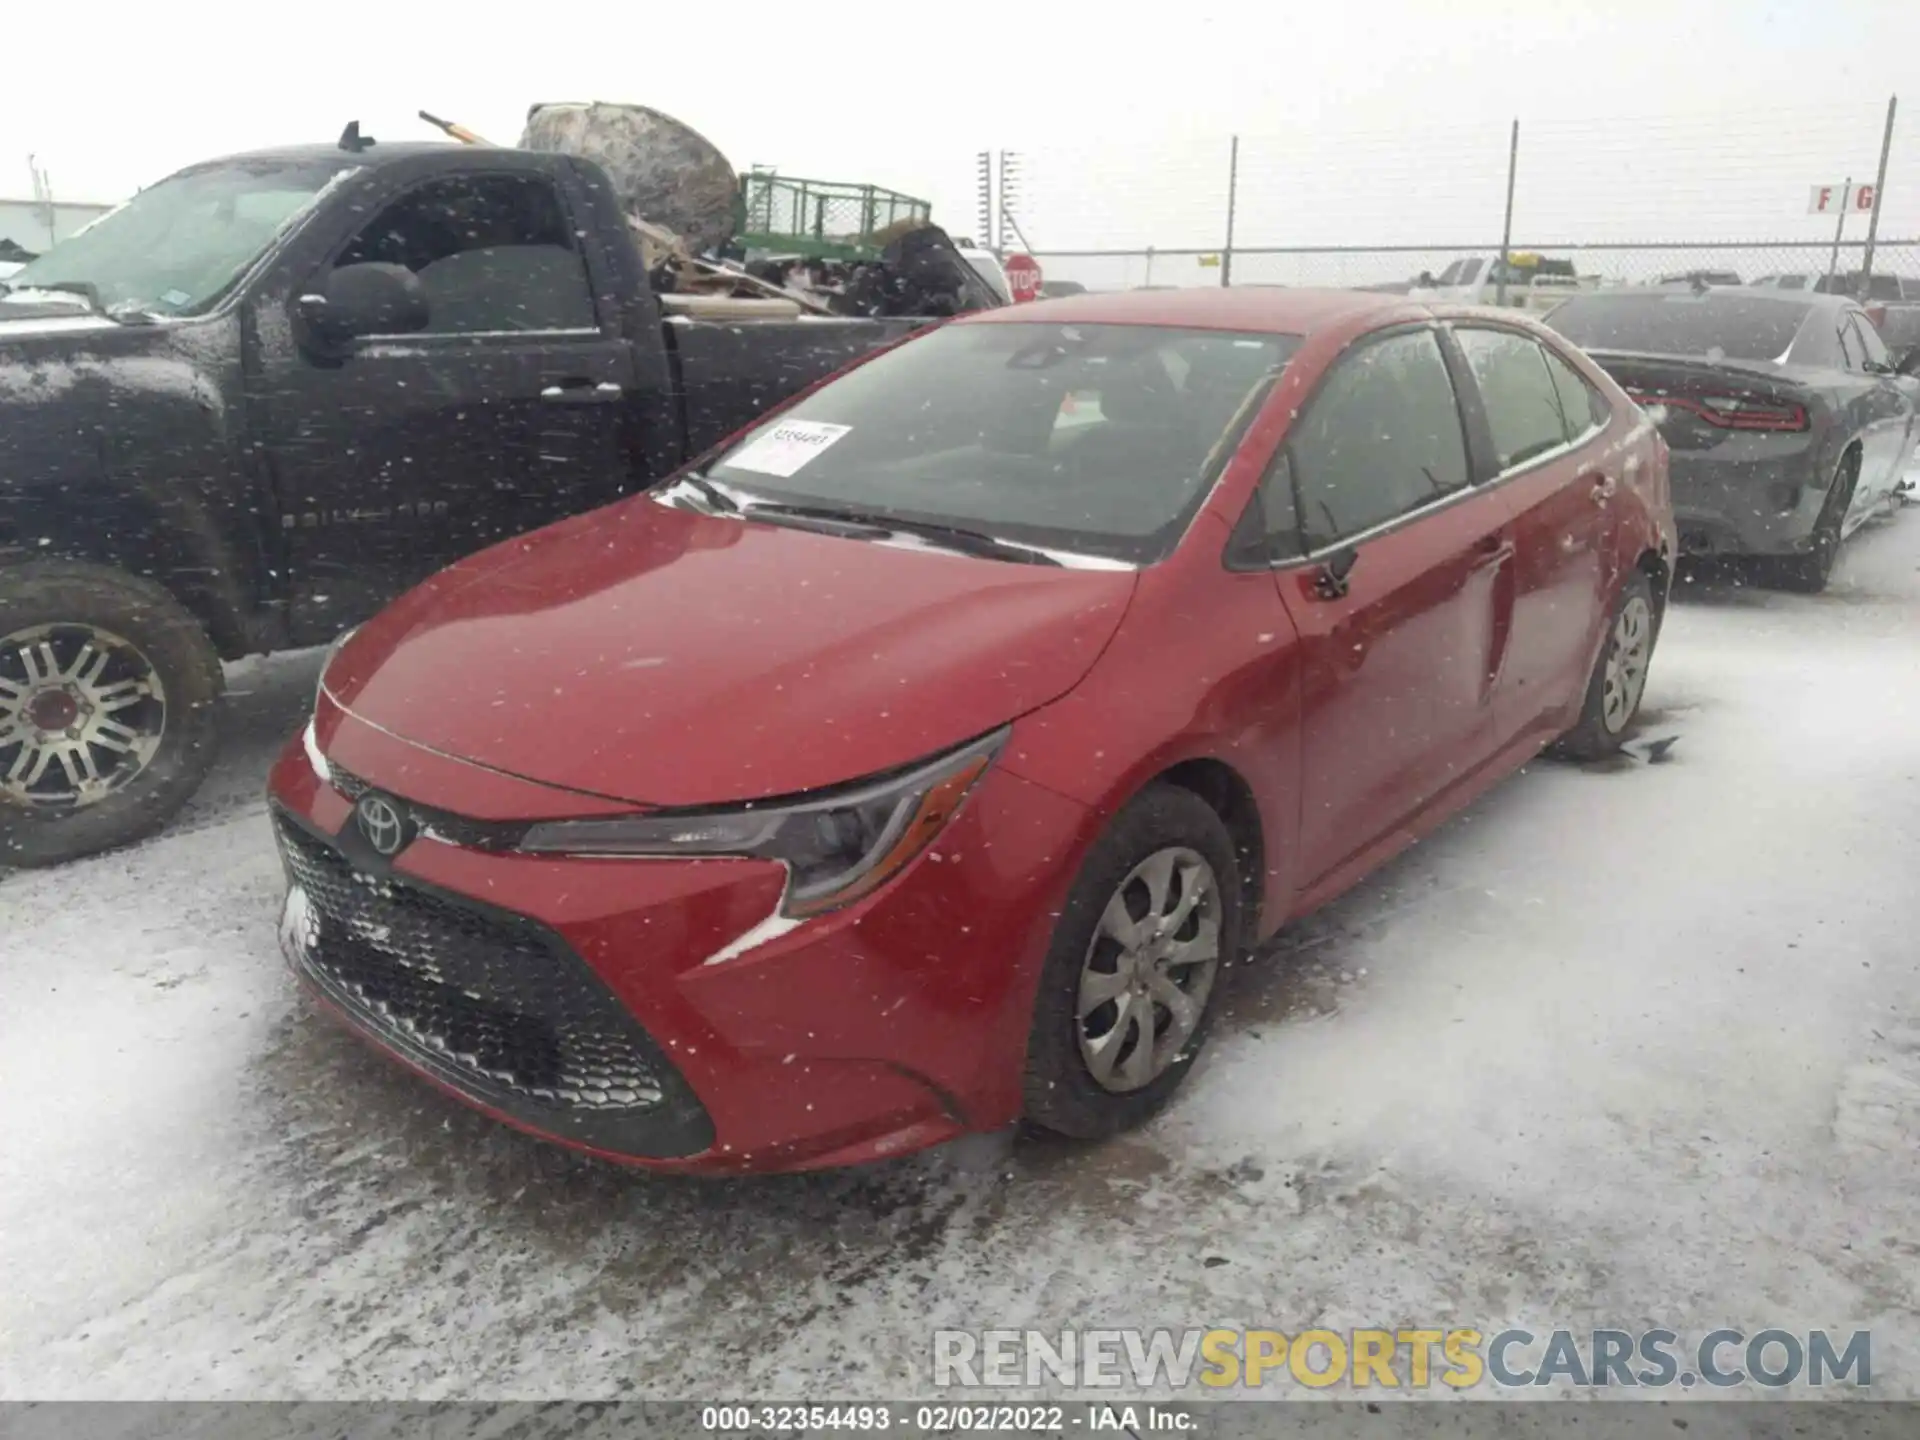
(352, 141)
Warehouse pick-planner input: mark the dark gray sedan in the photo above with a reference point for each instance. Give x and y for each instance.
(1788, 423)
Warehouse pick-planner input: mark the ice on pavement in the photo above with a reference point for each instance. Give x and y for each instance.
(1625, 1045)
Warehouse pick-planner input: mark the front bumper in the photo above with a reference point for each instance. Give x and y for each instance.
(646, 1010)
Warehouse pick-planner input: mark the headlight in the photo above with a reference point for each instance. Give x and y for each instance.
(837, 847)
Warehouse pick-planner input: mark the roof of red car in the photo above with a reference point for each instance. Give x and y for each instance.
(1274, 309)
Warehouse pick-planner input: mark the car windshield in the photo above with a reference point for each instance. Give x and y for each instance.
(176, 246)
(1094, 439)
(1721, 324)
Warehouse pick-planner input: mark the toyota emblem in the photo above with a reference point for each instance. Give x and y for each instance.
(382, 823)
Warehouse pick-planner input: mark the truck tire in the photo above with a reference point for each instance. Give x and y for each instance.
(108, 709)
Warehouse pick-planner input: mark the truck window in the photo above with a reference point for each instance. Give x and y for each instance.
(494, 254)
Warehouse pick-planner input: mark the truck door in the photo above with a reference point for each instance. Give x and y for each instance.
(505, 413)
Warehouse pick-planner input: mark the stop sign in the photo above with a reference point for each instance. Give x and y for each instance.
(1023, 277)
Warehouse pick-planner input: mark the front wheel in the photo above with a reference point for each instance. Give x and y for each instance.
(1619, 679)
(108, 690)
(1138, 960)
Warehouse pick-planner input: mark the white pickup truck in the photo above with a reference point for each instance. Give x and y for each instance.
(1532, 282)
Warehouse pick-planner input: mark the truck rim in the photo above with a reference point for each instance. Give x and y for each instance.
(1149, 969)
(82, 712)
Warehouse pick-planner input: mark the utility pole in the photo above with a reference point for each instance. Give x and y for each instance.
(1506, 230)
(1233, 192)
(1846, 203)
(1879, 195)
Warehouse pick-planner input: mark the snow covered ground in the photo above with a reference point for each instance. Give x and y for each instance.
(1627, 1046)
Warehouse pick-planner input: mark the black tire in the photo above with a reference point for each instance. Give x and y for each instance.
(1062, 1094)
(1808, 573)
(74, 598)
(1602, 726)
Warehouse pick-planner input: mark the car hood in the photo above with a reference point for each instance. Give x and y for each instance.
(652, 655)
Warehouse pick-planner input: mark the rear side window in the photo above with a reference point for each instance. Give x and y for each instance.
(1582, 407)
(1868, 338)
(1852, 352)
(1729, 324)
(1380, 439)
(1523, 404)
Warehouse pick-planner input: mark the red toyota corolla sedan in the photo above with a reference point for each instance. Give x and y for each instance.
(926, 757)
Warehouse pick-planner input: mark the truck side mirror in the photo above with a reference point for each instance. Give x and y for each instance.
(365, 299)
(1908, 362)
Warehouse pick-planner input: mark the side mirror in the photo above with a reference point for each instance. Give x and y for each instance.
(1908, 362)
(365, 299)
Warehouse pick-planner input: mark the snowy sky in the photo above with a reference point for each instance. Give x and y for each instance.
(1375, 123)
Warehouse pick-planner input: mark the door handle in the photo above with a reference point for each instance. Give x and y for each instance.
(1603, 488)
(581, 392)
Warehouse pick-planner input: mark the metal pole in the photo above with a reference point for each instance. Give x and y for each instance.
(999, 241)
(1879, 189)
(1846, 201)
(1149, 279)
(1506, 230)
(1233, 193)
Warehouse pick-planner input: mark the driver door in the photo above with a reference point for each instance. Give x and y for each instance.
(413, 450)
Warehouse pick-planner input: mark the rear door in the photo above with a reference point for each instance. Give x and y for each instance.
(1396, 656)
(1537, 445)
(504, 414)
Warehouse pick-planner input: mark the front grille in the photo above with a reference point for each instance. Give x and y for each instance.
(493, 1004)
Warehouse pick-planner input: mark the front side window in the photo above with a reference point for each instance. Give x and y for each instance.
(494, 254)
(1381, 438)
(1095, 439)
(177, 247)
(1524, 408)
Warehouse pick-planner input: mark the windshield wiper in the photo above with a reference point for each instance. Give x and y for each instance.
(715, 497)
(123, 314)
(950, 537)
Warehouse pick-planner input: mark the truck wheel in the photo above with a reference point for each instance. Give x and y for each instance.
(1139, 956)
(108, 723)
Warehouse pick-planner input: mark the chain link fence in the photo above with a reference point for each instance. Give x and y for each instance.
(1627, 200)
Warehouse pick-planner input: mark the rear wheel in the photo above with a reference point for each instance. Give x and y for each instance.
(1809, 572)
(107, 709)
(1138, 960)
(1619, 678)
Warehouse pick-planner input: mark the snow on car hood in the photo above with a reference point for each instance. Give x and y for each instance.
(661, 657)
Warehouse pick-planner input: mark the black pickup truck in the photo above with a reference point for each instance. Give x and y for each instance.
(248, 408)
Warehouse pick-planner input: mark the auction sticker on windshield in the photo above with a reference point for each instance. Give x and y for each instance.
(786, 447)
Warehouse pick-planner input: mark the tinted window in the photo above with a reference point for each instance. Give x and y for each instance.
(1792, 282)
(1380, 438)
(493, 253)
(1097, 439)
(1583, 406)
(1524, 408)
(1739, 326)
(1852, 353)
(1870, 342)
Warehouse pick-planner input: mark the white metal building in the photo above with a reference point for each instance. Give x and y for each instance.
(37, 227)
